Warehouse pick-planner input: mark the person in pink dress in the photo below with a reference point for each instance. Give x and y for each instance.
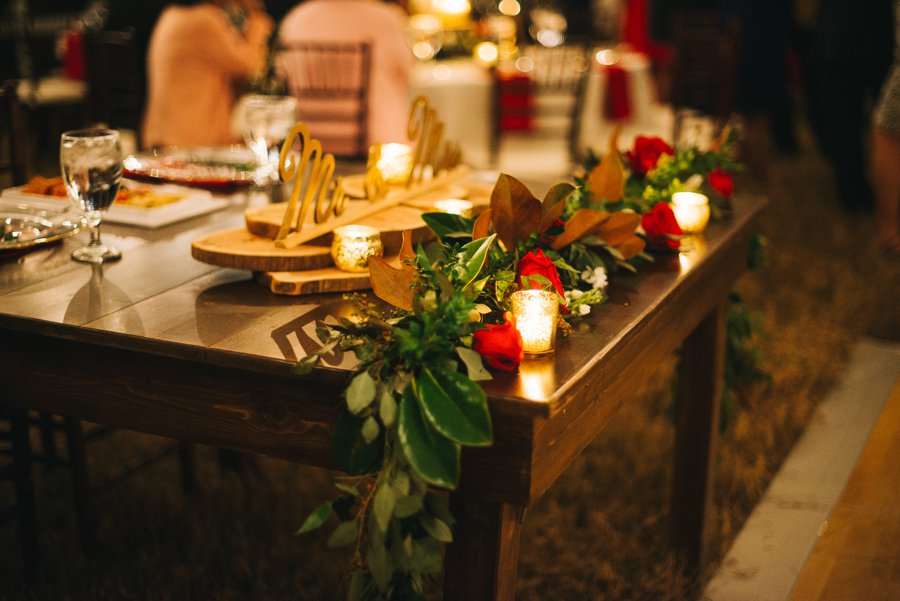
(199, 54)
(382, 25)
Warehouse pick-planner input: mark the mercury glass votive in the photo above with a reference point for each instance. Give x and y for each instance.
(394, 161)
(352, 245)
(536, 313)
(454, 206)
(691, 211)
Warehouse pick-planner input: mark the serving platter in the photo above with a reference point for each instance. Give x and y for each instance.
(23, 227)
(215, 169)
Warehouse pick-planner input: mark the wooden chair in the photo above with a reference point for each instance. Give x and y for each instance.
(331, 83)
(115, 89)
(704, 68)
(15, 447)
(12, 137)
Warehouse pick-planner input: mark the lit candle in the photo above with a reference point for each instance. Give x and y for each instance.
(536, 313)
(394, 161)
(352, 245)
(691, 211)
(454, 206)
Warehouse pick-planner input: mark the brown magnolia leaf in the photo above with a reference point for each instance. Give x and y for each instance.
(618, 228)
(392, 285)
(407, 254)
(607, 180)
(516, 213)
(481, 229)
(581, 223)
(631, 247)
(554, 203)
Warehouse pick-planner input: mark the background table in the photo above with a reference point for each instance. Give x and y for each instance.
(160, 343)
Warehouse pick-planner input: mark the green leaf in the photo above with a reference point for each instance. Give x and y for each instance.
(432, 456)
(436, 528)
(351, 490)
(474, 365)
(387, 408)
(353, 454)
(400, 483)
(383, 507)
(426, 555)
(370, 429)
(380, 565)
(474, 256)
(455, 405)
(437, 504)
(360, 393)
(448, 227)
(318, 517)
(357, 585)
(344, 534)
(407, 506)
(305, 365)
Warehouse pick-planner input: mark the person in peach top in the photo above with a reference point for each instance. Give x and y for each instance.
(382, 25)
(198, 55)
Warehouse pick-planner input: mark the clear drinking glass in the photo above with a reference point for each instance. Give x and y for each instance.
(91, 162)
(267, 122)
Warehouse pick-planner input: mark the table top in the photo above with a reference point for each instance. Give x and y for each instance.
(159, 300)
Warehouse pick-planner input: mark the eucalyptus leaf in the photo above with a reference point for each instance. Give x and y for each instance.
(407, 506)
(400, 482)
(387, 408)
(305, 365)
(448, 227)
(436, 528)
(361, 392)
(357, 585)
(318, 517)
(353, 454)
(370, 429)
(474, 365)
(455, 406)
(352, 490)
(383, 506)
(344, 534)
(432, 456)
(380, 565)
(426, 556)
(438, 505)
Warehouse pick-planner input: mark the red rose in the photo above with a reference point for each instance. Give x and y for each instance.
(646, 153)
(659, 224)
(536, 263)
(500, 345)
(721, 182)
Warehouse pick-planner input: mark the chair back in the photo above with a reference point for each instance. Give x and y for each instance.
(331, 83)
(12, 137)
(115, 89)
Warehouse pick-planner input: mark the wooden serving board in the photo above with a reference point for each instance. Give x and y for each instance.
(316, 281)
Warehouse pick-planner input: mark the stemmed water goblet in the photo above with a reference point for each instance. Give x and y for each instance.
(91, 162)
(267, 122)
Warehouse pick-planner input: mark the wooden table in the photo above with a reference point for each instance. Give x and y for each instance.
(161, 343)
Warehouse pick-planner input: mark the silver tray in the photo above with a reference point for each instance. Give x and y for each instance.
(22, 226)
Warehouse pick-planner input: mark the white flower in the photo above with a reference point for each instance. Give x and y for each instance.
(572, 295)
(584, 309)
(596, 278)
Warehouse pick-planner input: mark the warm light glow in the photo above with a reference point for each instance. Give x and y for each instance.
(352, 245)
(423, 50)
(454, 206)
(691, 211)
(454, 14)
(524, 64)
(442, 73)
(538, 378)
(606, 57)
(395, 162)
(536, 313)
(486, 53)
(510, 8)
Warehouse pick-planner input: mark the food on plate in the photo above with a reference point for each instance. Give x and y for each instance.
(132, 195)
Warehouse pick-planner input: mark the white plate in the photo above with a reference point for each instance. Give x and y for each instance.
(194, 203)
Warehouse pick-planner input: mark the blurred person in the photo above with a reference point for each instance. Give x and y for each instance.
(380, 24)
(886, 154)
(199, 53)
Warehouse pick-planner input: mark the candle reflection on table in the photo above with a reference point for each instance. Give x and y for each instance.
(454, 206)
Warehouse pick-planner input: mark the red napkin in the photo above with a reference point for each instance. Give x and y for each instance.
(616, 102)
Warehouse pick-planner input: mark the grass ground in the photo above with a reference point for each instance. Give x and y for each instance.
(600, 533)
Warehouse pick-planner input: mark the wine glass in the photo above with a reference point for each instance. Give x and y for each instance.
(91, 162)
(267, 122)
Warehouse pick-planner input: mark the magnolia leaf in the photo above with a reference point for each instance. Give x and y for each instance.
(432, 456)
(475, 255)
(380, 564)
(607, 180)
(516, 212)
(392, 285)
(407, 506)
(436, 528)
(474, 365)
(618, 228)
(383, 506)
(554, 203)
(454, 405)
(631, 247)
(353, 454)
(344, 534)
(370, 429)
(482, 225)
(318, 517)
(448, 227)
(581, 223)
(387, 408)
(360, 393)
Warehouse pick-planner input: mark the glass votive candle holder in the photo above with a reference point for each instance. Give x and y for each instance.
(536, 313)
(352, 245)
(394, 161)
(691, 211)
(454, 206)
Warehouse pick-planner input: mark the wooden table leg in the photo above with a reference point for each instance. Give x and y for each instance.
(480, 564)
(700, 380)
(21, 448)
